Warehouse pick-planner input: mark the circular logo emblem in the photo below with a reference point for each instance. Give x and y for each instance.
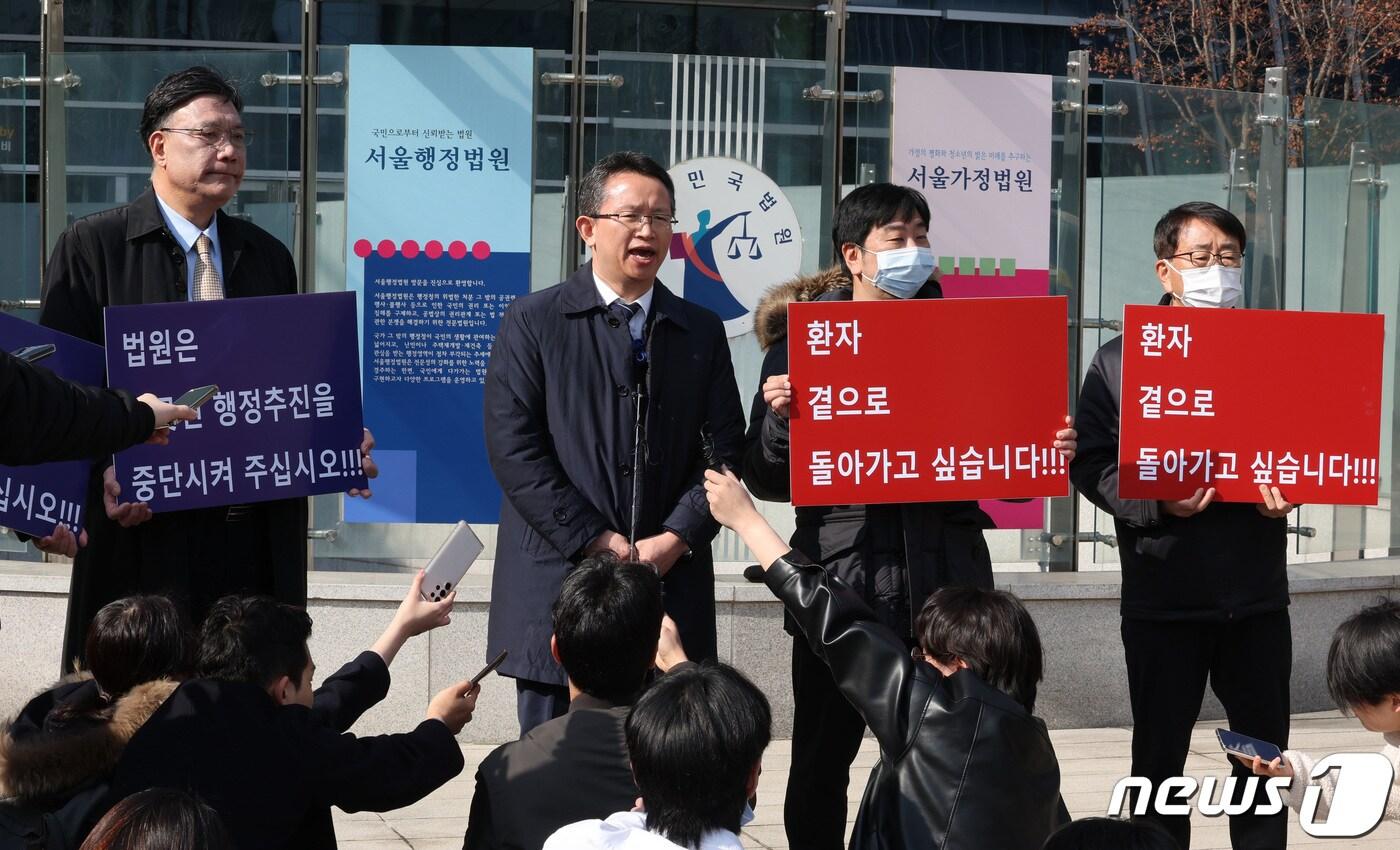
(736, 237)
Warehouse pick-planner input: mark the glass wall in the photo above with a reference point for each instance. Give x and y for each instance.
(1152, 148)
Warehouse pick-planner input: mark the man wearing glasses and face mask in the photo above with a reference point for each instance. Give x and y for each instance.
(1205, 593)
(894, 556)
(175, 243)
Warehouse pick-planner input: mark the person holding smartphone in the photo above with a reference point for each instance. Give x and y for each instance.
(1363, 677)
(46, 418)
(1205, 587)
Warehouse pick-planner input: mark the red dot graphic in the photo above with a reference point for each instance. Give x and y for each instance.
(363, 248)
(457, 249)
(481, 250)
(386, 248)
(410, 249)
(433, 249)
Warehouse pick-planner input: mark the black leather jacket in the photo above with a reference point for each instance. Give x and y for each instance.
(962, 765)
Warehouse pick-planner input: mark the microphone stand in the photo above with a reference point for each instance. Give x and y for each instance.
(641, 379)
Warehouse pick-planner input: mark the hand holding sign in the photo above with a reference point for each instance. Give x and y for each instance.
(61, 542)
(777, 394)
(125, 514)
(367, 464)
(1275, 505)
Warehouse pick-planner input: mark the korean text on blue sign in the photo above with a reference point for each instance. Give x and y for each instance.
(286, 420)
(35, 499)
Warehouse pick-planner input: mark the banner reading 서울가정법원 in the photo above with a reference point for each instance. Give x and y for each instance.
(977, 145)
(438, 171)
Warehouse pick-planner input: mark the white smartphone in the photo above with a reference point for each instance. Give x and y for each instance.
(447, 567)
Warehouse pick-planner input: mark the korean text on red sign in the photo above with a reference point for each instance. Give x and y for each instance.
(920, 401)
(1206, 402)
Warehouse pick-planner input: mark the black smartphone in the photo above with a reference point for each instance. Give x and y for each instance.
(35, 353)
(495, 662)
(195, 397)
(1246, 747)
(198, 395)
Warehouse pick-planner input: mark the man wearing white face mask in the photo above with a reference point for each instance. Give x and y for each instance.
(1205, 592)
(894, 556)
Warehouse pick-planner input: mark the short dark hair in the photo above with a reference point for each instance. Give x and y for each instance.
(1169, 226)
(255, 640)
(137, 639)
(694, 738)
(870, 206)
(591, 187)
(180, 88)
(607, 621)
(159, 819)
(1363, 663)
(990, 630)
(131, 641)
(1111, 834)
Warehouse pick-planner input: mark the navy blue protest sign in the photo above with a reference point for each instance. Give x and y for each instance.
(35, 499)
(286, 420)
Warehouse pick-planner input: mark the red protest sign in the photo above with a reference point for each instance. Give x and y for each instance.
(925, 401)
(1206, 402)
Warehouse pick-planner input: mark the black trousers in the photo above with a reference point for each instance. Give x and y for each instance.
(1247, 664)
(826, 734)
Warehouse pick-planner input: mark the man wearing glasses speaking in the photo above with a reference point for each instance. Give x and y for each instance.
(602, 395)
(174, 243)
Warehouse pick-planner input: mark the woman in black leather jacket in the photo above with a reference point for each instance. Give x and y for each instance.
(963, 763)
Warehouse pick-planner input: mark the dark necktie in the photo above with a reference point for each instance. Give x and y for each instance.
(625, 313)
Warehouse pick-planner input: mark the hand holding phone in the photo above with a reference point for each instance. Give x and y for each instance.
(1247, 748)
(193, 399)
(445, 570)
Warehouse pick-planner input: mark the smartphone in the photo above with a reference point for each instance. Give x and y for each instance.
(195, 397)
(198, 395)
(495, 662)
(447, 567)
(1246, 747)
(35, 353)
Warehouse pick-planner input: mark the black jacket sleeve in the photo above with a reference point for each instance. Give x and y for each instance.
(481, 829)
(870, 664)
(351, 691)
(767, 469)
(1094, 469)
(520, 447)
(48, 419)
(382, 772)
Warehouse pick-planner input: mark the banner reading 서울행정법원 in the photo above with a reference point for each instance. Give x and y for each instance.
(438, 171)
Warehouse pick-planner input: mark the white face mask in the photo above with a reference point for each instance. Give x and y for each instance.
(1212, 286)
(902, 272)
